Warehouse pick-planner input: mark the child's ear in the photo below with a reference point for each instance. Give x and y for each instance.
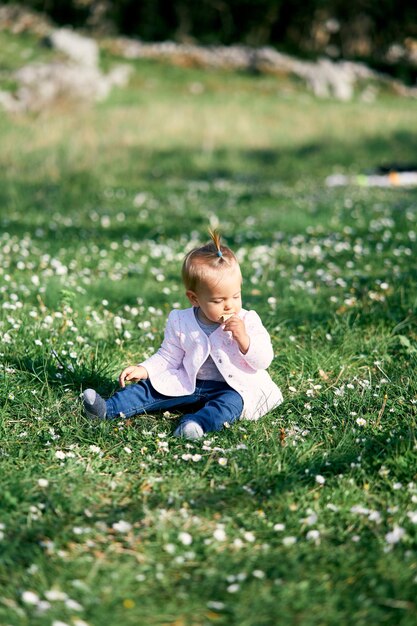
(192, 297)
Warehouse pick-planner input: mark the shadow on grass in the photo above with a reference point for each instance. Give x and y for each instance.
(58, 375)
(262, 485)
(78, 193)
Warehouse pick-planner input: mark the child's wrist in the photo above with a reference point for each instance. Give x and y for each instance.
(244, 344)
(143, 371)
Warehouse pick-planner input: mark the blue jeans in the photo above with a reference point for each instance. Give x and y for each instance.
(212, 404)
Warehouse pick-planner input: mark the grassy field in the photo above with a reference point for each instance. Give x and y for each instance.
(308, 516)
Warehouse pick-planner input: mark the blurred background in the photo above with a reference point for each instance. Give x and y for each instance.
(383, 32)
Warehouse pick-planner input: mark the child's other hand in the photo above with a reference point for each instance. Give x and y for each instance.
(132, 373)
(237, 327)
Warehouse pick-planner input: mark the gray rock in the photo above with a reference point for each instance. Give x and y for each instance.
(326, 78)
(83, 51)
(78, 79)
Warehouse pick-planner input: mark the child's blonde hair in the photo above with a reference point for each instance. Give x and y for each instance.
(201, 262)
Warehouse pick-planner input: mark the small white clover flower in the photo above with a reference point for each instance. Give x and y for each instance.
(220, 534)
(289, 541)
(310, 519)
(170, 548)
(375, 516)
(185, 538)
(395, 535)
(238, 543)
(320, 479)
(122, 527)
(73, 605)
(55, 595)
(332, 507)
(30, 597)
(313, 535)
(43, 606)
(216, 606)
(412, 515)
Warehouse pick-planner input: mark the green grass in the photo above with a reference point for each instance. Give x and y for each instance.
(98, 207)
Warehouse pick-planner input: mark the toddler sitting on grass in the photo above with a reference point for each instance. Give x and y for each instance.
(213, 359)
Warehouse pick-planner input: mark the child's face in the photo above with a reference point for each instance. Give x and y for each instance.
(217, 297)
